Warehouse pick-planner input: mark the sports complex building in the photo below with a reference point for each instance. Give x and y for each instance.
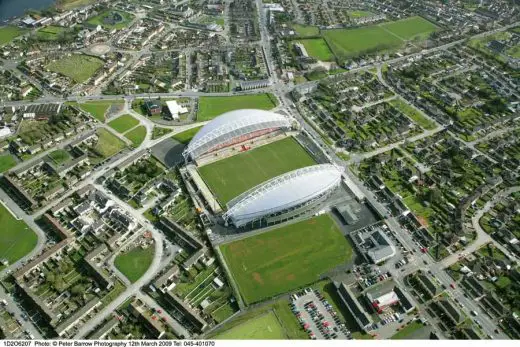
(252, 168)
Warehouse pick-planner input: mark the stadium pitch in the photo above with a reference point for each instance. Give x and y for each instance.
(286, 258)
(228, 178)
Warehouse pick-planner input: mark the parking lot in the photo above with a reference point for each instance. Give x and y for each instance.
(317, 317)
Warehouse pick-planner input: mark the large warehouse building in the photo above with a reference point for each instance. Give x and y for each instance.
(285, 197)
(233, 128)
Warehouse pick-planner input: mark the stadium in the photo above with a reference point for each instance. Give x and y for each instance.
(284, 197)
(232, 128)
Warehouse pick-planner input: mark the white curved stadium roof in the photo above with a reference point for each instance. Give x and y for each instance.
(283, 192)
(232, 124)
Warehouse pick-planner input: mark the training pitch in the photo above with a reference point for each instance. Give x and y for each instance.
(286, 258)
(228, 178)
(264, 327)
(212, 106)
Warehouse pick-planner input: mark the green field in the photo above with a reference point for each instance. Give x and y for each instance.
(100, 20)
(186, 136)
(59, 156)
(159, 132)
(8, 33)
(286, 258)
(410, 329)
(123, 123)
(386, 37)
(318, 49)
(359, 14)
(414, 114)
(98, 109)
(108, 144)
(210, 107)
(7, 161)
(134, 263)
(77, 67)
(264, 327)
(306, 30)
(136, 135)
(16, 238)
(50, 33)
(228, 178)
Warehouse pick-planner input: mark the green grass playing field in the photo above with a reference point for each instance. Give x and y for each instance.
(136, 135)
(123, 123)
(8, 33)
(210, 107)
(98, 109)
(317, 48)
(108, 144)
(286, 258)
(134, 263)
(264, 327)
(186, 136)
(7, 161)
(16, 238)
(228, 178)
(78, 67)
(386, 37)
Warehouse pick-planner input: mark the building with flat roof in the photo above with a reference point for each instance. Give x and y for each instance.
(373, 242)
(361, 317)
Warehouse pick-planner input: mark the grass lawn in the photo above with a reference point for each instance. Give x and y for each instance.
(348, 43)
(108, 144)
(286, 258)
(186, 136)
(59, 156)
(103, 19)
(78, 67)
(7, 161)
(210, 107)
(49, 33)
(136, 135)
(232, 176)
(8, 33)
(404, 333)
(69, 4)
(98, 109)
(123, 123)
(264, 327)
(306, 30)
(359, 14)
(159, 132)
(414, 114)
(134, 263)
(16, 238)
(317, 48)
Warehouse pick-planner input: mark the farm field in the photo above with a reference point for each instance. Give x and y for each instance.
(264, 327)
(284, 259)
(98, 109)
(136, 135)
(77, 67)
(104, 20)
(16, 238)
(317, 48)
(8, 33)
(210, 107)
(7, 161)
(232, 176)
(108, 144)
(123, 123)
(134, 263)
(186, 136)
(348, 43)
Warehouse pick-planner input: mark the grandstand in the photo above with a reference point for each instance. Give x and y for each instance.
(284, 197)
(232, 128)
